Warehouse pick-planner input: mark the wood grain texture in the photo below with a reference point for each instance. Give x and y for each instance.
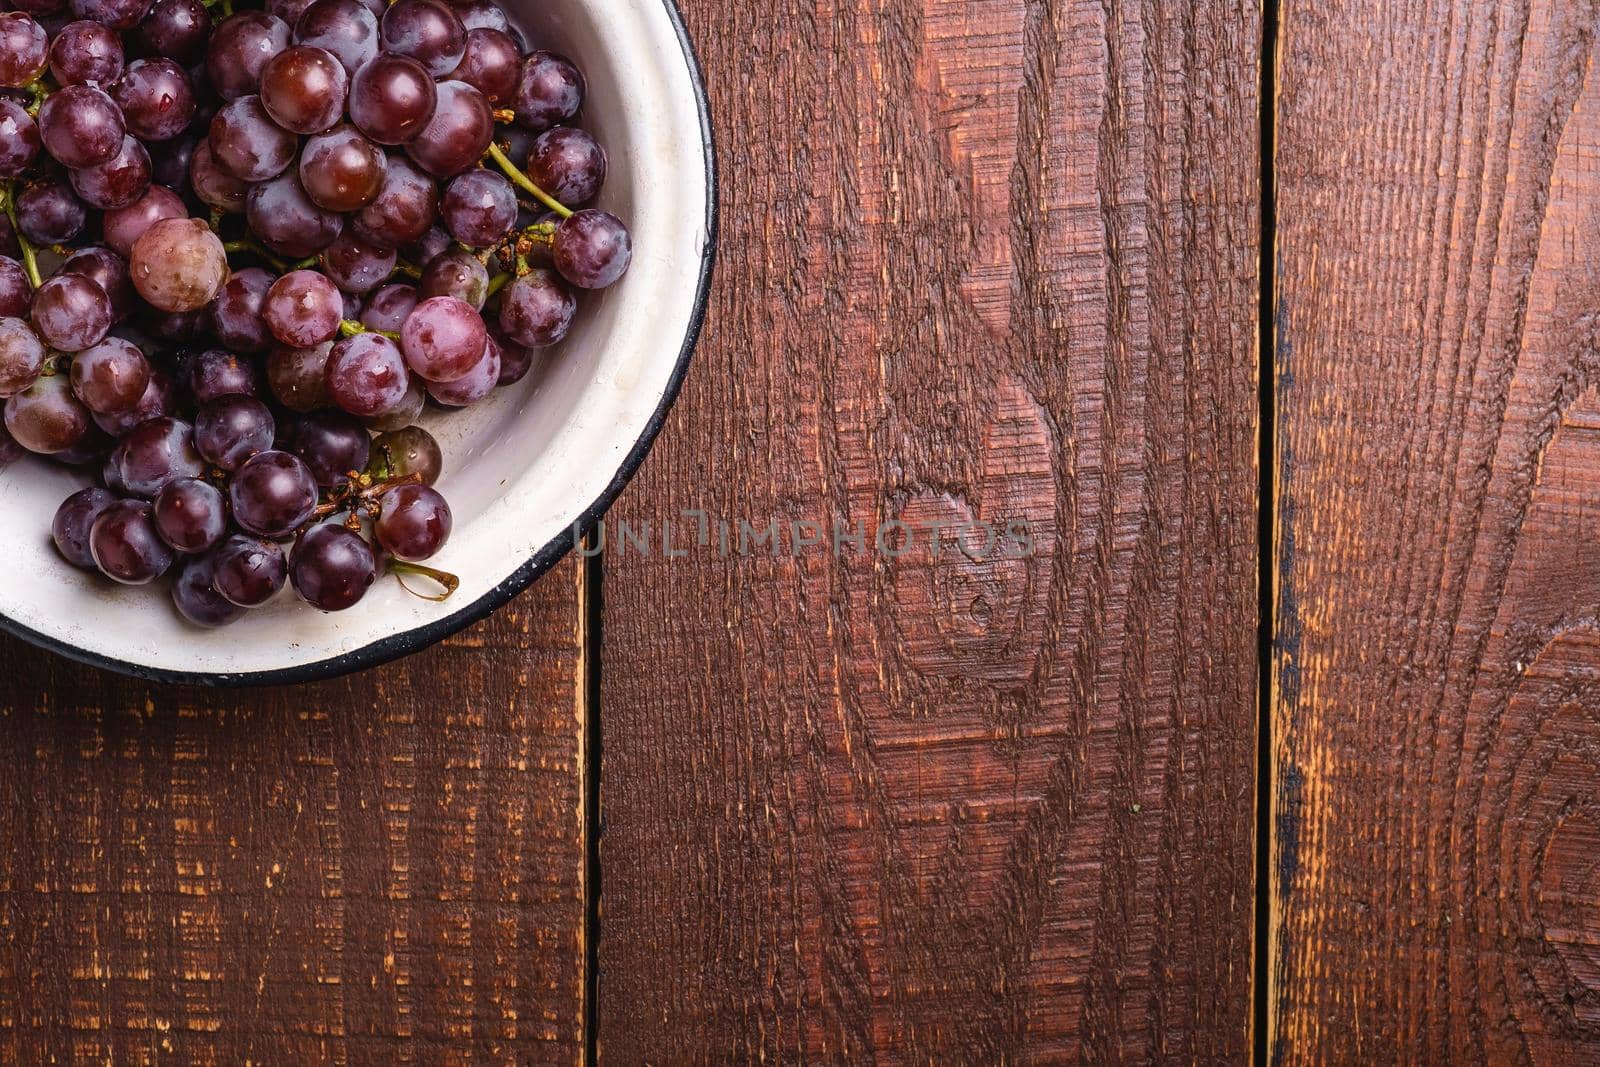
(986, 260)
(1438, 469)
(380, 869)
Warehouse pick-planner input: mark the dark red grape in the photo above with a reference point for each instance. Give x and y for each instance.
(71, 312)
(550, 90)
(240, 48)
(73, 521)
(458, 274)
(287, 221)
(492, 64)
(92, 449)
(169, 160)
(46, 418)
(408, 412)
(303, 308)
(236, 312)
(16, 292)
(160, 399)
(156, 98)
(458, 134)
(515, 360)
(568, 164)
(473, 386)
(592, 249)
(332, 444)
(50, 213)
(180, 327)
(231, 429)
(117, 14)
(297, 376)
(413, 523)
(289, 11)
(427, 31)
(177, 29)
(248, 144)
(536, 310)
(125, 545)
(355, 266)
(190, 515)
(196, 598)
(24, 49)
(392, 99)
(118, 182)
(343, 27)
(22, 356)
(484, 15)
(110, 272)
(213, 185)
(435, 242)
(110, 376)
(123, 226)
(332, 568)
(249, 572)
(408, 451)
(178, 265)
(19, 139)
(367, 375)
(443, 338)
(81, 126)
(480, 208)
(156, 452)
(341, 170)
(86, 52)
(303, 89)
(272, 494)
(403, 209)
(216, 373)
(387, 308)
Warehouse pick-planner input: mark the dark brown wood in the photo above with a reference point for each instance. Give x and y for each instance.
(990, 260)
(382, 869)
(1437, 764)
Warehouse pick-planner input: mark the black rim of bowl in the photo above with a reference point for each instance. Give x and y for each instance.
(387, 649)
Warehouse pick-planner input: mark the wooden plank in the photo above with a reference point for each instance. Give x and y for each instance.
(383, 868)
(989, 260)
(1438, 473)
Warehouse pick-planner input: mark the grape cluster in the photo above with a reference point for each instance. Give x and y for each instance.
(277, 236)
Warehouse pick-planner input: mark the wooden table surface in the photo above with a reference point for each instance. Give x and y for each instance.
(994, 261)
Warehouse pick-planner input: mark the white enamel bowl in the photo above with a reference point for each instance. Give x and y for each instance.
(522, 469)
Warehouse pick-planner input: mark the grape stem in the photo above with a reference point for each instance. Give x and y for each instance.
(515, 174)
(246, 245)
(498, 282)
(350, 327)
(38, 92)
(450, 582)
(30, 263)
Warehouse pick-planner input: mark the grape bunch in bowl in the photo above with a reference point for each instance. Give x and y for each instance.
(244, 250)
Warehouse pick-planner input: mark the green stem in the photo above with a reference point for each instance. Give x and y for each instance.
(30, 263)
(350, 327)
(246, 245)
(37, 90)
(450, 582)
(498, 282)
(516, 175)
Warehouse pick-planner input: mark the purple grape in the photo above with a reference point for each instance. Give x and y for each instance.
(115, 14)
(170, 160)
(212, 184)
(443, 338)
(550, 90)
(425, 30)
(473, 386)
(413, 523)
(341, 170)
(159, 399)
(392, 98)
(303, 89)
(515, 360)
(50, 213)
(177, 29)
(491, 64)
(342, 27)
(403, 209)
(273, 494)
(22, 356)
(303, 308)
(287, 221)
(410, 451)
(24, 49)
(46, 418)
(248, 144)
(86, 52)
(240, 48)
(289, 11)
(231, 429)
(480, 208)
(156, 452)
(332, 444)
(110, 376)
(156, 98)
(537, 309)
(70, 312)
(180, 327)
(387, 308)
(568, 164)
(118, 182)
(190, 515)
(408, 411)
(92, 449)
(332, 568)
(236, 312)
(19, 139)
(195, 597)
(74, 518)
(458, 274)
(458, 134)
(125, 545)
(435, 242)
(592, 249)
(16, 292)
(110, 272)
(178, 265)
(297, 376)
(483, 15)
(367, 375)
(216, 373)
(124, 226)
(81, 126)
(355, 266)
(249, 572)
